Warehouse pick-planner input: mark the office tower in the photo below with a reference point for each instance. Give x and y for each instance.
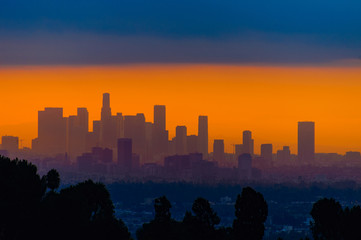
(192, 142)
(284, 155)
(77, 133)
(51, 138)
(181, 140)
(106, 112)
(266, 152)
(306, 142)
(238, 150)
(135, 129)
(245, 166)
(159, 117)
(120, 125)
(125, 153)
(218, 150)
(10, 143)
(247, 142)
(108, 126)
(203, 136)
(160, 134)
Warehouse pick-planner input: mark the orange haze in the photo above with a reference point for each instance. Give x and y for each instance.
(266, 100)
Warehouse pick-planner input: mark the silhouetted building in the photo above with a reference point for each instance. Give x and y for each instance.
(192, 144)
(306, 142)
(78, 127)
(134, 128)
(10, 143)
(266, 153)
(51, 132)
(125, 153)
(181, 140)
(218, 150)
(108, 125)
(160, 134)
(284, 155)
(245, 166)
(93, 138)
(203, 136)
(238, 150)
(247, 142)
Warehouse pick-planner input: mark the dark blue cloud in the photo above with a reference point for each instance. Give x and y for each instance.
(308, 25)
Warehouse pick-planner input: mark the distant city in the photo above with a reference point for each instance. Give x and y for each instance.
(126, 147)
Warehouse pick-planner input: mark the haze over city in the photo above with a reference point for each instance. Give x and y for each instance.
(181, 120)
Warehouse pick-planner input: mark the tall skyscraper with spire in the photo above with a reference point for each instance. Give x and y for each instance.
(203, 136)
(106, 110)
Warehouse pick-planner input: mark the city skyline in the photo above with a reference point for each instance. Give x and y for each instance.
(272, 123)
(58, 134)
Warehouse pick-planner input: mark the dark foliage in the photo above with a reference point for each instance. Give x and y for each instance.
(53, 179)
(83, 211)
(251, 213)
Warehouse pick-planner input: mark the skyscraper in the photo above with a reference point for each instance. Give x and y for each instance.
(247, 142)
(125, 153)
(160, 134)
(181, 140)
(203, 136)
(218, 150)
(77, 133)
(135, 129)
(108, 126)
(306, 142)
(51, 138)
(266, 152)
(159, 117)
(106, 112)
(192, 144)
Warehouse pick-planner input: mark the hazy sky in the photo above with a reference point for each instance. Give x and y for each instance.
(259, 65)
(187, 31)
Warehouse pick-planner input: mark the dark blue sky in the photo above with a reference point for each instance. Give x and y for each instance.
(138, 31)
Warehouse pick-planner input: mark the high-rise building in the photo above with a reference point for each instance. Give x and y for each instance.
(10, 143)
(266, 152)
(160, 134)
(77, 133)
(218, 150)
(159, 117)
(284, 155)
(135, 129)
(51, 138)
(238, 150)
(125, 153)
(306, 142)
(203, 136)
(181, 140)
(192, 144)
(108, 126)
(247, 142)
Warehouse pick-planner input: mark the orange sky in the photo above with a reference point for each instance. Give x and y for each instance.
(266, 100)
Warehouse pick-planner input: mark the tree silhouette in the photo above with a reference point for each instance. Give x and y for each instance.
(53, 179)
(327, 217)
(162, 208)
(251, 213)
(201, 225)
(162, 227)
(204, 214)
(21, 191)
